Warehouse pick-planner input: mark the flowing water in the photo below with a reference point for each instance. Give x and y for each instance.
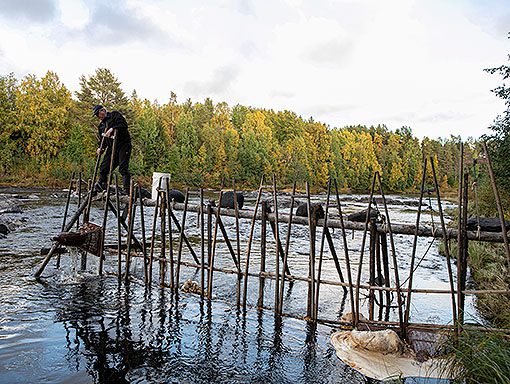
(73, 326)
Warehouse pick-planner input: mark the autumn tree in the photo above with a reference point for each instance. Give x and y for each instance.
(256, 150)
(9, 131)
(43, 107)
(499, 140)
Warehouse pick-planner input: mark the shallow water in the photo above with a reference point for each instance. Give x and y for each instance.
(76, 327)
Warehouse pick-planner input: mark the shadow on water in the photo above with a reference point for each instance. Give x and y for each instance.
(126, 333)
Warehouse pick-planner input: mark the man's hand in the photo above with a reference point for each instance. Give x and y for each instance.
(108, 133)
(99, 151)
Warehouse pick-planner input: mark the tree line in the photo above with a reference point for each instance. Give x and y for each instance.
(47, 133)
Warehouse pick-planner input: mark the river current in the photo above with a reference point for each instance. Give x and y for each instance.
(73, 326)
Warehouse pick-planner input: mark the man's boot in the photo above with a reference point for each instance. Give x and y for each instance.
(126, 182)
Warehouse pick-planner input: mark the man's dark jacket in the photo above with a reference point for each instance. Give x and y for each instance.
(115, 120)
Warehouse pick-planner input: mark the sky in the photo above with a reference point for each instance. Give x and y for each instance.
(414, 63)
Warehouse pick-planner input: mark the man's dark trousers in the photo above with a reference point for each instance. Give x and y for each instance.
(121, 159)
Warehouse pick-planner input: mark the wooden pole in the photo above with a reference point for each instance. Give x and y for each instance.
(131, 222)
(394, 256)
(362, 251)
(153, 237)
(185, 238)
(227, 241)
(162, 263)
(211, 265)
(498, 203)
(250, 239)
(263, 236)
(312, 226)
(415, 242)
(119, 231)
(460, 243)
(70, 190)
(238, 246)
(287, 244)
(321, 253)
(105, 208)
(334, 256)
(209, 238)
(446, 243)
(181, 238)
(346, 253)
(386, 270)
(464, 255)
(170, 237)
(371, 267)
(91, 188)
(79, 196)
(380, 278)
(144, 245)
(55, 245)
(202, 243)
(277, 240)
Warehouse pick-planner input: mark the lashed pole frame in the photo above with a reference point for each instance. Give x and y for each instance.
(394, 257)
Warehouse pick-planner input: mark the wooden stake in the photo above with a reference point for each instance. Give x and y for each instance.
(346, 253)
(263, 237)
(415, 242)
(181, 238)
(446, 243)
(250, 239)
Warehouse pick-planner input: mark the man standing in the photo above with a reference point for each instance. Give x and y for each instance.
(113, 124)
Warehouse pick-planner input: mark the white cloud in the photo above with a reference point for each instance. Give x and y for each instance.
(415, 63)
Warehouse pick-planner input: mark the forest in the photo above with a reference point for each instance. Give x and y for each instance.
(47, 133)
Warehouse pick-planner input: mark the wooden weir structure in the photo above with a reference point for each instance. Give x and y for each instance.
(378, 234)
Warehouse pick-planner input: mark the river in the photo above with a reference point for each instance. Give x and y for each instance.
(74, 326)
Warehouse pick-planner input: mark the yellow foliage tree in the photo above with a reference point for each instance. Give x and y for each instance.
(43, 110)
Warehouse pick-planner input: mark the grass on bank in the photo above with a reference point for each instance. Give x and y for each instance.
(483, 356)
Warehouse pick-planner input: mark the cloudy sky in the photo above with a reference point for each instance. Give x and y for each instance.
(417, 63)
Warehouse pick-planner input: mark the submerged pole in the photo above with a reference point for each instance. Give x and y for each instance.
(446, 243)
(346, 253)
(250, 239)
(415, 242)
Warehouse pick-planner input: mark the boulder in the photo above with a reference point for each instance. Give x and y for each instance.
(302, 210)
(227, 200)
(487, 224)
(9, 206)
(177, 196)
(361, 216)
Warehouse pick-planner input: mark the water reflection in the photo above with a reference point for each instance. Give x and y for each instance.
(141, 335)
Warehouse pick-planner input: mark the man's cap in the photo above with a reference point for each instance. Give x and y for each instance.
(96, 109)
